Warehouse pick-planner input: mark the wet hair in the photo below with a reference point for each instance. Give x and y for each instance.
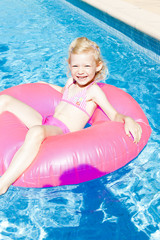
(84, 45)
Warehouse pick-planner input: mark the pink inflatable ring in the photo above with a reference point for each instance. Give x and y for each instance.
(74, 157)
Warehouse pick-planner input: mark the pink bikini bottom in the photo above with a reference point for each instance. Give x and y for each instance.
(50, 120)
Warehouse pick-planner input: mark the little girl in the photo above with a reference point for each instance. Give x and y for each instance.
(81, 95)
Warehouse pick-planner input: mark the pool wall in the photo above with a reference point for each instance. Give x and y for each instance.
(142, 39)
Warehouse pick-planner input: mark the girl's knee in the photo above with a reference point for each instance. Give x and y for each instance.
(4, 101)
(36, 134)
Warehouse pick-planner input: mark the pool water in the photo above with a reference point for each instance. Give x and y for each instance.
(125, 204)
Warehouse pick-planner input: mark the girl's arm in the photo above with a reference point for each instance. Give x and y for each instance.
(132, 128)
(56, 87)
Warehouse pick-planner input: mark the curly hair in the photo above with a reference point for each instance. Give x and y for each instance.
(84, 45)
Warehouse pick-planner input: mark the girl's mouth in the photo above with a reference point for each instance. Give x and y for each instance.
(82, 77)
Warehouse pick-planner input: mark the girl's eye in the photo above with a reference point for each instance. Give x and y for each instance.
(74, 66)
(87, 66)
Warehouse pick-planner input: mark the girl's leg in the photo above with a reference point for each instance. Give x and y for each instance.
(29, 116)
(26, 154)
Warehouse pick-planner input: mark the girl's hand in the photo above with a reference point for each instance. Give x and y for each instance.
(132, 128)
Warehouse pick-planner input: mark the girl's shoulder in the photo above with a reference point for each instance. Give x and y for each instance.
(69, 82)
(94, 91)
(94, 88)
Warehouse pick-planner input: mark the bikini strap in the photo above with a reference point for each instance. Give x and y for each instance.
(82, 92)
(90, 84)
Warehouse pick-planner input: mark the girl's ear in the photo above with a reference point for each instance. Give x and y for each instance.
(99, 66)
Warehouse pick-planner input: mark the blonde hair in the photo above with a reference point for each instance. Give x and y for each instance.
(84, 45)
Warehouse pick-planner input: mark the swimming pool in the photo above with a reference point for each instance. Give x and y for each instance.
(35, 36)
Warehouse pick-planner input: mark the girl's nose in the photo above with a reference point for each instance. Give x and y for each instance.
(80, 70)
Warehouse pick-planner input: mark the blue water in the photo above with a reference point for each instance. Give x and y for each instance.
(34, 40)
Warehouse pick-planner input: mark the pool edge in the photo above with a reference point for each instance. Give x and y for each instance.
(139, 37)
(138, 18)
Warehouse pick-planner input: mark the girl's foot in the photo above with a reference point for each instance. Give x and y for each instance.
(3, 188)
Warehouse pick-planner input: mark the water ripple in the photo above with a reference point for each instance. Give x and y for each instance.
(35, 36)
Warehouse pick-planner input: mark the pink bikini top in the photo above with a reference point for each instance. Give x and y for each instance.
(78, 100)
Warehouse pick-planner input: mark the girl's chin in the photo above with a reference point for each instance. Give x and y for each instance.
(83, 82)
(82, 79)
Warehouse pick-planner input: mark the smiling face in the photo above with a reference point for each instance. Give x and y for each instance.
(83, 68)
